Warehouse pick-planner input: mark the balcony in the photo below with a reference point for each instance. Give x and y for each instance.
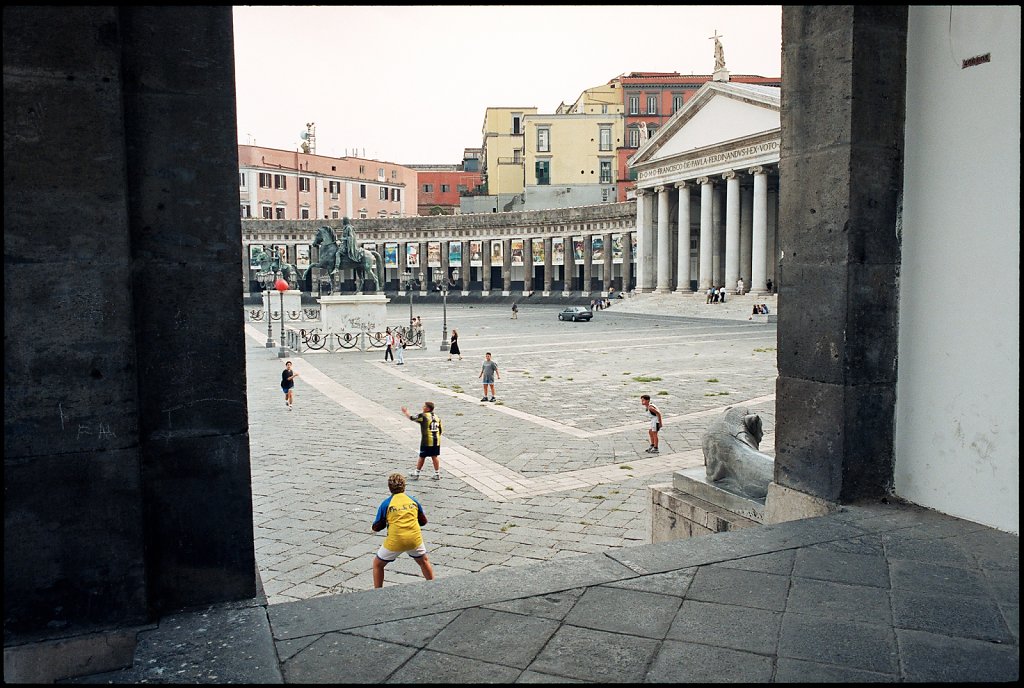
(510, 161)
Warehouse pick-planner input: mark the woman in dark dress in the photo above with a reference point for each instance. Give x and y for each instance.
(454, 350)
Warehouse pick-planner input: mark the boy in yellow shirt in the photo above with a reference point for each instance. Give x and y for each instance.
(402, 515)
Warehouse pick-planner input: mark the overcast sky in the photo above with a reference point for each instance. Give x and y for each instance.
(409, 84)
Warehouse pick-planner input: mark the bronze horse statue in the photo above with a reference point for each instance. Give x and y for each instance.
(339, 253)
(269, 263)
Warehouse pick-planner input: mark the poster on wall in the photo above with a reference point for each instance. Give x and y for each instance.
(538, 251)
(476, 254)
(597, 249)
(497, 252)
(455, 254)
(412, 255)
(517, 252)
(616, 248)
(433, 254)
(370, 245)
(558, 251)
(281, 251)
(577, 250)
(302, 256)
(391, 254)
(254, 251)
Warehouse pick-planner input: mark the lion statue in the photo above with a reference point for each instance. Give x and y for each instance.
(731, 457)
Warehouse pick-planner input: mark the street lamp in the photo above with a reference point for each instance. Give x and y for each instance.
(407, 281)
(266, 278)
(443, 282)
(282, 286)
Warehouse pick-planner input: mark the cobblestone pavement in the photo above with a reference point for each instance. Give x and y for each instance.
(555, 468)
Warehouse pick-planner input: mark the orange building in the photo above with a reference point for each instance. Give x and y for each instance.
(276, 184)
(441, 186)
(650, 99)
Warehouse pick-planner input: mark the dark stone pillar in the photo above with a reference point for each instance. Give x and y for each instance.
(126, 456)
(838, 233)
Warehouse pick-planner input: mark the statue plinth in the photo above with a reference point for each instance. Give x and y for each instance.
(292, 301)
(354, 312)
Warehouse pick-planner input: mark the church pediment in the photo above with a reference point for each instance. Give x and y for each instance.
(718, 112)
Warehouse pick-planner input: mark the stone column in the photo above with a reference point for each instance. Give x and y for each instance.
(609, 267)
(506, 267)
(664, 276)
(527, 266)
(588, 256)
(717, 237)
(683, 233)
(548, 267)
(485, 269)
(707, 190)
(424, 288)
(732, 230)
(465, 270)
(568, 267)
(746, 230)
(627, 260)
(759, 239)
(838, 332)
(644, 239)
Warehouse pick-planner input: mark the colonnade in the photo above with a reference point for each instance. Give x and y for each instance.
(736, 212)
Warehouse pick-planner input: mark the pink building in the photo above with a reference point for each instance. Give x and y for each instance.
(276, 184)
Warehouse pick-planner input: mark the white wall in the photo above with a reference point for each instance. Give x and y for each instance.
(957, 411)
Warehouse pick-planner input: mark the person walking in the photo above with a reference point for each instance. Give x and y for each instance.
(399, 347)
(288, 383)
(488, 371)
(430, 438)
(655, 417)
(403, 516)
(515, 311)
(454, 349)
(389, 345)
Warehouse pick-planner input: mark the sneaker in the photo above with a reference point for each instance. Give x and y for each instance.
(289, 407)
(654, 450)
(492, 399)
(415, 475)
(648, 450)
(437, 476)
(483, 398)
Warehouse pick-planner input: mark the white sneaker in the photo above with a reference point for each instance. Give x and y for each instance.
(437, 475)
(415, 475)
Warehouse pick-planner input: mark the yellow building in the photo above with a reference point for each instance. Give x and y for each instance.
(503, 155)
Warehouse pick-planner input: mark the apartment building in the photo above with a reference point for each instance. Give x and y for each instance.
(442, 186)
(502, 161)
(277, 184)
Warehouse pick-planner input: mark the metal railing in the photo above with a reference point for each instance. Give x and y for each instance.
(316, 340)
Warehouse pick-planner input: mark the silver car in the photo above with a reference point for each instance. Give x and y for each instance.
(575, 313)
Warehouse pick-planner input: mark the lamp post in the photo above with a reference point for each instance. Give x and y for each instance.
(443, 282)
(282, 286)
(407, 283)
(266, 278)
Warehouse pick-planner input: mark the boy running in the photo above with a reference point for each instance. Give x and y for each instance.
(402, 515)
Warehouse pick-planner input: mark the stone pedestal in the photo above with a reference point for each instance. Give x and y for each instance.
(354, 312)
(692, 506)
(292, 303)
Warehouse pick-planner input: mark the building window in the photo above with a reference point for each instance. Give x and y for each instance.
(280, 181)
(383, 193)
(543, 170)
(634, 105)
(267, 212)
(246, 211)
(445, 188)
(606, 138)
(606, 171)
(279, 213)
(241, 180)
(677, 103)
(334, 187)
(543, 140)
(428, 188)
(604, 108)
(517, 123)
(362, 191)
(396, 195)
(604, 195)
(334, 215)
(362, 169)
(652, 105)
(264, 180)
(634, 137)
(362, 216)
(304, 184)
(305, 213)
(394, 174)
(462, 188)
(380, 174)
(517, 155)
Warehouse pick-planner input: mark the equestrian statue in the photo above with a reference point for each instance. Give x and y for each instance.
(269, 262)
(339, 253)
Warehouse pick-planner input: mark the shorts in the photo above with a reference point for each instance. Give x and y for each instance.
(655, 426)
(429, 451)
(488, 380)
(385, 554)
(287, 389)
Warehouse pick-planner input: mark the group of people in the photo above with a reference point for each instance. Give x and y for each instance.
(759, 309)
(716, 294)
(599, 304)
(394, 343)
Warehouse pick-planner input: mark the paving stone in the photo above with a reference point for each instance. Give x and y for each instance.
(866, 647)
(624, 611)
(929, 657)
(679, 662)
(570, 653)
(723, 625)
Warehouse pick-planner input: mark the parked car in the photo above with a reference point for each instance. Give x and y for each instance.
(575, 313)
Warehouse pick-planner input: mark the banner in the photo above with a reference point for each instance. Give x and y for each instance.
(455, 254)
(517, 252)
(302, 256)
(632, 247)
(433, 254)
(254, 249)
(476, 254)
(597, 249)
(577, 250)
(616, 248)
(391, 254)
(412, 255)
(558, 251)
(538, 251)
(281, 251)
(497, 252)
